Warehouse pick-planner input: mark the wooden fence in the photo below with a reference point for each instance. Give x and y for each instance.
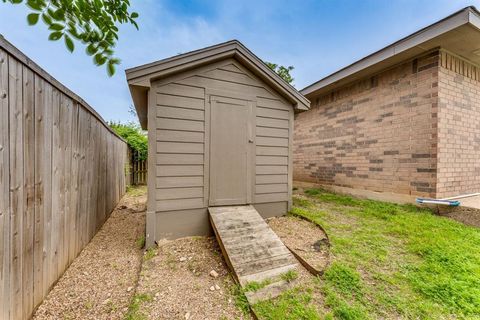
(137, 169)
(61, 174)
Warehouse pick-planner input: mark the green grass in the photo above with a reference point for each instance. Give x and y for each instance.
(393, 261)
(289, 276)
(253, 286)
(134, 307)
(294, 304)
(136, 191)
(241, 301)
(140, 242)
(239, 293)
(149, 254)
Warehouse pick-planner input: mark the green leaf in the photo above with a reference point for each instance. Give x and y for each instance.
(91, 23)
(56, 26)
(54, 36)
(34, 5)
(59, 15)
(91, 49)
(69, 43)
(100, 59)
(46, 18)
(111, 68)
(32, 18)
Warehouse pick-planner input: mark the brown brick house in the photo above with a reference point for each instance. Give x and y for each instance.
(402, 122)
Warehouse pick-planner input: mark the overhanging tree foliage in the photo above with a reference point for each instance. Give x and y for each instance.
(282, 71)
(134, 135)
(93, 23)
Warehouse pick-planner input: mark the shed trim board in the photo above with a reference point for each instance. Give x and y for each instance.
(220, 134)
(444, 33)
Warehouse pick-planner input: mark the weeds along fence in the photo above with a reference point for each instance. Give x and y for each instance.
(61, 174)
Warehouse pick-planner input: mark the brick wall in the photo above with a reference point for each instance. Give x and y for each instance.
(458, 127)
(377, 134)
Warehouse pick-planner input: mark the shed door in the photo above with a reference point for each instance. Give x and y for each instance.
(230, 154)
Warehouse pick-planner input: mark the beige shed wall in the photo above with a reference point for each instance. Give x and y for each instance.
(179, 125)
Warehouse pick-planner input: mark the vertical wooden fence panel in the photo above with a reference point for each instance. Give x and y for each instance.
(137, 169)
(45, 178)
(4, 190)
(73, 201)
(61, 174)
(15, 100)
(29, 188)
(57, 212)
(43, 138)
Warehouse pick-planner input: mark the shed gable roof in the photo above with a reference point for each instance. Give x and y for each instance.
(140, 78)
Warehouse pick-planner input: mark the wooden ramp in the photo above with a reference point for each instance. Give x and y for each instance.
(252, 250)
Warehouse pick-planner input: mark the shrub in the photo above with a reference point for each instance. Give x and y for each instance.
(134, 135)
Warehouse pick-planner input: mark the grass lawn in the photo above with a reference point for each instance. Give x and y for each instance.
(389, 261)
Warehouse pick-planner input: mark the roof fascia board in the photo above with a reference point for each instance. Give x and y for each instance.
(456, 20)
(175, 67)
(474, 19)
(178, 61)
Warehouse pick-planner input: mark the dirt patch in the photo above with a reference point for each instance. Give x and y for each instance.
(100, 282)
(465, 215)
(306, 239)
(176, 282)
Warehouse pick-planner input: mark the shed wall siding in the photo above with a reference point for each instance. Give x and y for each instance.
(378, 134)
(272, 150)
(458, 127)
(182, 123)
(180, 133)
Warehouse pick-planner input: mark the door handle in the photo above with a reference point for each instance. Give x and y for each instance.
(250, 140)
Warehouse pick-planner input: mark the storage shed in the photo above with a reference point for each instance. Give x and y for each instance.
(220, 126)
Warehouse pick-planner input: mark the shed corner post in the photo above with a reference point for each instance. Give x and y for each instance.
(150, 236)
(291, 128)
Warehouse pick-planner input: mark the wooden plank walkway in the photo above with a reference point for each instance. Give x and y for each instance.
(252, 250)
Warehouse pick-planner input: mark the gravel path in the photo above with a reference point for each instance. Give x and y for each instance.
(101, 280)
(176, 283)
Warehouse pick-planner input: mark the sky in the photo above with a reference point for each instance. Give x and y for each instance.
(317, 37)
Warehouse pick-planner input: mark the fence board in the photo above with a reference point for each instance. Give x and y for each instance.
(61, 174)
(72, 248)
(42, 151)
(29, 185)
(4, 190)
(45, 175)
(16, 186)
(66, 128)
(57, 196)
